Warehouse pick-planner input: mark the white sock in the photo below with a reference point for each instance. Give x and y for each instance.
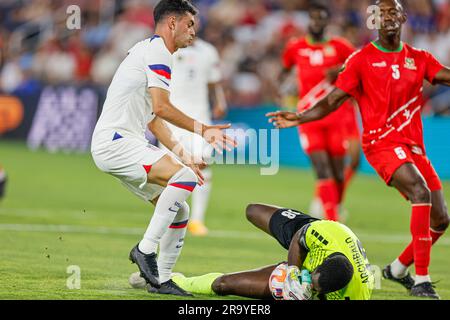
(171, 243)
(170, 201)
(421, 279)
(200, 197)
(398, 269)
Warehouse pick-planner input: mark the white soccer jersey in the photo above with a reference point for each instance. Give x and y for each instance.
(128, 107)
(194, 68)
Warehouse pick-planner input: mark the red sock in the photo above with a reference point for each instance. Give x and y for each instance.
(407, 256)
(328, 193)
(348, 175)
(420, 230)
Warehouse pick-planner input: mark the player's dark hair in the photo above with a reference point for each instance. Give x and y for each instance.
(177, 7)
(335, 273)
(316, 5)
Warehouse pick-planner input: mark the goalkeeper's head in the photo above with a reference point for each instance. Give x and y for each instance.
(333, 274)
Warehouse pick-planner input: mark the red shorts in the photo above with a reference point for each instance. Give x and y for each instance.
(319, 136)
(387, 158)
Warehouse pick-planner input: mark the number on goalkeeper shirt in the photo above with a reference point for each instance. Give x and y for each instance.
(290, 214)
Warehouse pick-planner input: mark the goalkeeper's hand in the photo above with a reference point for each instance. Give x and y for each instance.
(297, 285)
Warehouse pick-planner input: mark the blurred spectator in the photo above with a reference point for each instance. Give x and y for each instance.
(36, 45)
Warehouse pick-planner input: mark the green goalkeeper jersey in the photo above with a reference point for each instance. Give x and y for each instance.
(324, 238)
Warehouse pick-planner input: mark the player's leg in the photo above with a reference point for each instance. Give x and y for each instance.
(179, 181)
(438, 225)
(410, 182)
(280, 223)
(200, 201)
(337, 147)
(439, 214)
(337, 166)
(354, 146)
(201, 194)
(327, 187)
(260, 215)
(251, 284)
(170, 248)
(354, 153)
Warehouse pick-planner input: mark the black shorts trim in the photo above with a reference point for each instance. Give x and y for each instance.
(285, 223)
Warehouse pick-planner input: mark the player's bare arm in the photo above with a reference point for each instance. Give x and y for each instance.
(285, 119)
(443, 77)
(333, 73)
(218, 97)
(296, 253)
(167, 111)
(165, 136)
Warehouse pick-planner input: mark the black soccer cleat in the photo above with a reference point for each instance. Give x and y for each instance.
(407, 281)
(424, 290)
(147, 266)
(170, 287)
(3, 187)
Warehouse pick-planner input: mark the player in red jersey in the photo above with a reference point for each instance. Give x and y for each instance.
(353, 137)
(386, 78)
(318, 61)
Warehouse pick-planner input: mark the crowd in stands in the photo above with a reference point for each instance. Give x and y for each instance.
(37, 46)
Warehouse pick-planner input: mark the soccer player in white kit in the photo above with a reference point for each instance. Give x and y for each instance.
(196, 76)
(138, 98)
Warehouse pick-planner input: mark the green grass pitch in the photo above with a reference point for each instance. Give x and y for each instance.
(60, 210)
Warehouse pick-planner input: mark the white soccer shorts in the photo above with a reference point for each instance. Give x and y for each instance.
(129, 160)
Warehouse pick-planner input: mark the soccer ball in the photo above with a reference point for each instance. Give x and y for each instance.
(276, 281)
(136, 281)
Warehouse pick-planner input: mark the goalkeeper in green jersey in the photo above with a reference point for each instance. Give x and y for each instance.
(325, 260)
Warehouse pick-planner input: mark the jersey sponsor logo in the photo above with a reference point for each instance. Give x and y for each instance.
(162, 70)
(410, 64)
(380, 64)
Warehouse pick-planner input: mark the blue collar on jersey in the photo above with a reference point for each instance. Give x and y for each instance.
(154, 37)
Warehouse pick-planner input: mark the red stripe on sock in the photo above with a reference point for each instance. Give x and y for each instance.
(182, 186)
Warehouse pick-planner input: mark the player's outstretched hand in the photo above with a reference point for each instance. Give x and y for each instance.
(283, 119)
(215, 136)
